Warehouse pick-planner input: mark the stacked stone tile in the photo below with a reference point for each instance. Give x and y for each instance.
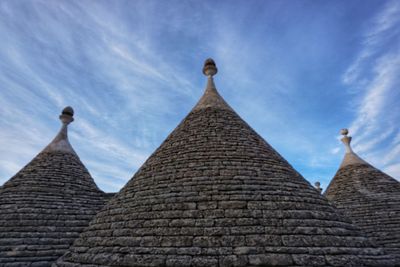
(369, 197)
(45, 206)
(216, 194)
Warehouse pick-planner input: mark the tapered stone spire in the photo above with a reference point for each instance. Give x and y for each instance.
(61, 142)
(215, 194)
(45, 206)
(368, 196)
(211, 98)
(350, 157)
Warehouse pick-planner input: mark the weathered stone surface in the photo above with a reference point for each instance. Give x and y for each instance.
(269, 259)
(371, 199)
(45, 206)
(216, 194)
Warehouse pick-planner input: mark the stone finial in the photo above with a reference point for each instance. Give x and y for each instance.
(350, 158)
(318, 187)
(67, 115)
(209, 69)
(346, 140)
(211, 98)
(68, 111)
(60, 142)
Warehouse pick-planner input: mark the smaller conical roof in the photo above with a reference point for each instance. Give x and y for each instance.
(370, 197)
(45, 206)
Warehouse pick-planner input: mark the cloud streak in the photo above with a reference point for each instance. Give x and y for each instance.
(132, 71)
(375, 73)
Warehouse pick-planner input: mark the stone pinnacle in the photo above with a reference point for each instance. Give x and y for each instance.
(209, 69)
(60, 142)
(350, 157)
(67, 115)
(346, 140)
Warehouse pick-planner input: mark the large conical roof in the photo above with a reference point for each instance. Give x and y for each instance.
(45, 206)
(369, 197)
(216, 194)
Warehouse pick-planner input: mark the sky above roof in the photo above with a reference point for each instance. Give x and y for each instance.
(296, 71)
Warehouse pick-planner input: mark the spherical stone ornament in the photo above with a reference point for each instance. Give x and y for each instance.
(344, 131)
(67, 115)
(209, 69)
(68, 111)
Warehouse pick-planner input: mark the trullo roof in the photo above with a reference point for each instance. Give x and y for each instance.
(369, 197)
(45, 206)
(216, 194)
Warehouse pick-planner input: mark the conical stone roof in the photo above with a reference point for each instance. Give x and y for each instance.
(216, 194)
(369, 197)
(45, 206)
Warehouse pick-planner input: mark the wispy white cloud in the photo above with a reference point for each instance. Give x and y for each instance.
(393, 170)
(67, 54)
(132, 71)
(384, 25)
(375, 74)
(335, 150)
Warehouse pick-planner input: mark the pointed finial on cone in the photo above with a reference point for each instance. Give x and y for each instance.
(67, 115)
(344, 131)
(346, 140)
(210, 69)
(350, 157)
(60, 142)
(318, 186)
(211, 98)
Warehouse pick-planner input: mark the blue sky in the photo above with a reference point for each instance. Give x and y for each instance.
(296, 71)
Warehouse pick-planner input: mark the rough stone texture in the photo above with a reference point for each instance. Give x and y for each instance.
(371, 199)
(216, 194)
(45, 206)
